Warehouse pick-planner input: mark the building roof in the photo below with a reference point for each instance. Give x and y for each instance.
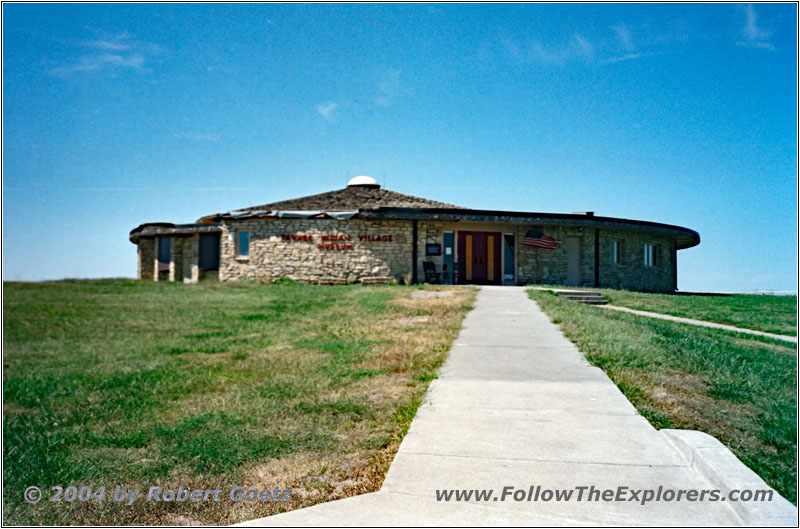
(366, 200)
(684, 237)
(351, 198)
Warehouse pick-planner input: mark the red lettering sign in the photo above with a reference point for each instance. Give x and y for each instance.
(339, 247)
(374, 238)
(296, 237)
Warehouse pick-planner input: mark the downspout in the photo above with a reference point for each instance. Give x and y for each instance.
(596, 258)
(414, 252)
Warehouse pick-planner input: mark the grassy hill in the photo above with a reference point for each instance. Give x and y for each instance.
(141, 384)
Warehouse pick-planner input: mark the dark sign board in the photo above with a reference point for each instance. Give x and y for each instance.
(433, 249)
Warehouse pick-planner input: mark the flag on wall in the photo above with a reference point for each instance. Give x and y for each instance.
(540, 240)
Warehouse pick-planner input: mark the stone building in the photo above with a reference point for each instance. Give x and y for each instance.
(366, 234)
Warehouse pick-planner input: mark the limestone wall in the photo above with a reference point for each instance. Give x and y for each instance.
(147, 256)
(176, 262)
(314, 250)
(631, 273)
(190, 271)
(542, 266)
(550, 266)
(429, 233)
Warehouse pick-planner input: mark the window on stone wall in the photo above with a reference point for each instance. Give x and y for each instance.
(243, 243)
(615, 252)
(650, 255)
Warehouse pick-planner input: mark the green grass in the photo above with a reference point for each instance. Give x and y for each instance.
(119, 382)
(773, 314)
(739, 388)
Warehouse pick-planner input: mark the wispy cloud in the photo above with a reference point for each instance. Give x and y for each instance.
(196, 136)
(620, 43)
(327, 110)
(91, 63)
(632, 56)
(577, 48)
(620, 58)
(624, 37)
(755, 37)
(585, 49)
(119, 42)
(389, 88)
(110, 53)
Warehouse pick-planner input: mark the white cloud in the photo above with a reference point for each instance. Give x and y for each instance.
(89, 63)
(119, 42)
(585, 49)
(576, 48)
(755, 36)
(631, 56)
(624, 37)
(620, 58)
(195, 136)
(326, 110)
(112, 54)
(388, 88)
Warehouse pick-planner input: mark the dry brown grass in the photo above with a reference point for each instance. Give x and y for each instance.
(290, 386)
(406, 347)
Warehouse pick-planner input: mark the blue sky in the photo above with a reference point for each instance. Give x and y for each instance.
(119, 114)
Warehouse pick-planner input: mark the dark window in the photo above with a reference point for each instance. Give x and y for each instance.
(651, 257)
(208, 258)
(164, 250)
(615, 256)
(243, 243)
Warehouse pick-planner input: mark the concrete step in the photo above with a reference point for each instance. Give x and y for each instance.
(587, 297)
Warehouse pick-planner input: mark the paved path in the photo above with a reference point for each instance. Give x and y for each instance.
(702, 323)
(516, 404)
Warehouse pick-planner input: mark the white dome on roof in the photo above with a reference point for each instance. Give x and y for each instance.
(363, 181)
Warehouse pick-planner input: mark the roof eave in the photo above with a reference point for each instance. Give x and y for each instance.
(684, 237)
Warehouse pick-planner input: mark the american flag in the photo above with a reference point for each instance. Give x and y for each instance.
(540, 240)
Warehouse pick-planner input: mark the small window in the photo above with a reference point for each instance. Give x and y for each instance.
(243, 243)
(615, 252)
(164, 250)
(650, 255)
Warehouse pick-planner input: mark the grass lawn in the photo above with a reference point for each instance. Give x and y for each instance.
(739, 388)
(773, 314)
(140, 384)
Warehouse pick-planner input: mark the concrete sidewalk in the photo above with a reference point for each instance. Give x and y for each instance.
(516, 404)
(702, 323)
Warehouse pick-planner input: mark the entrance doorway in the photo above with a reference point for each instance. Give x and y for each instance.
(572, 245)
(479, 257)
(208, 252)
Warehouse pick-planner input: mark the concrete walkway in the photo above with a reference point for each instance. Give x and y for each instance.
(516, 404)
(702, 323)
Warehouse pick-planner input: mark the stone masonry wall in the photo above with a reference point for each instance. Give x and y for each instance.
(536, 265)
(190, 269)
(313, 250)
(176, 262)
(147, 256)
(428, 233)
(542, 266)
(630, 273)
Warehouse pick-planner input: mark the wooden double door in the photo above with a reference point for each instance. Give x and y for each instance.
(479, 257)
